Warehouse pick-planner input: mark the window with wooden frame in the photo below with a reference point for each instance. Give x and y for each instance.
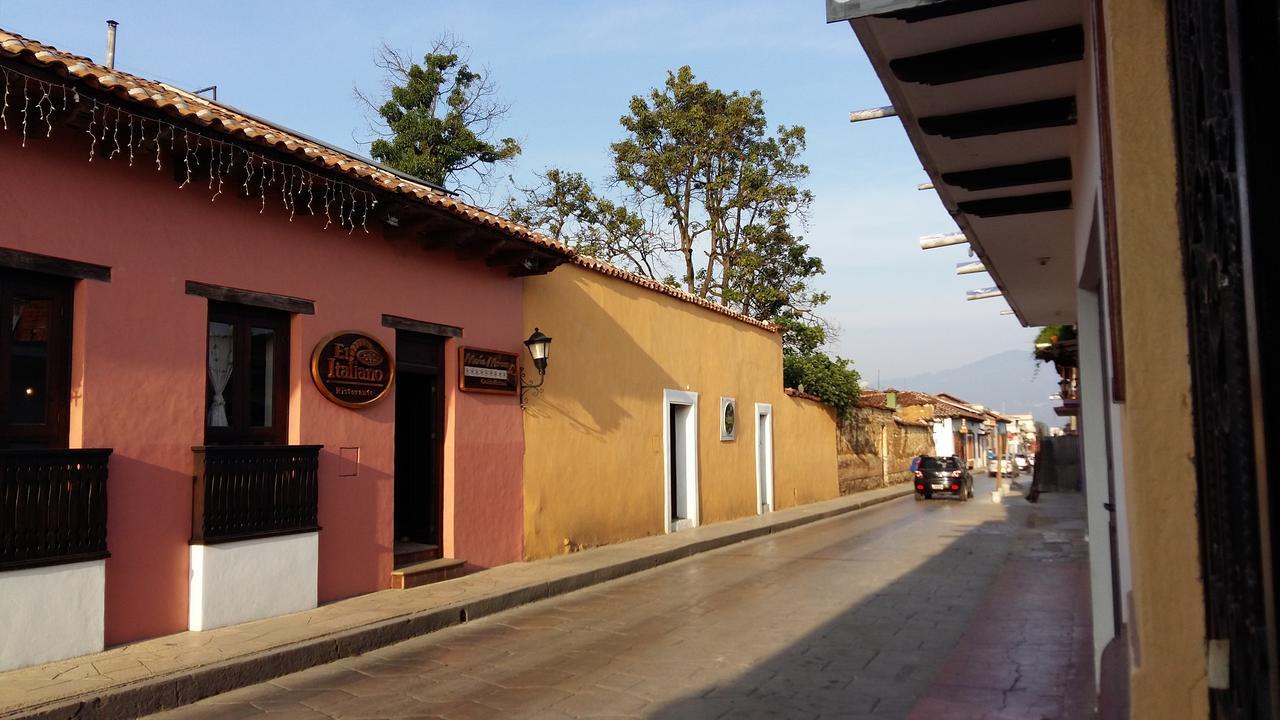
(35, 360)
(246, 375)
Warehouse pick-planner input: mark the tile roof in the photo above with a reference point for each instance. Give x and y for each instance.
(227, 121)
(612, 270)
(908, 398)
(792, 392)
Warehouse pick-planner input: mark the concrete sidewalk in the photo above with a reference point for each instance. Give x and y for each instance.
(165, 672)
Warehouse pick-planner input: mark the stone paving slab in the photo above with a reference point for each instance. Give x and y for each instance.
(1027, 653)
(847, 618)
(152, 675)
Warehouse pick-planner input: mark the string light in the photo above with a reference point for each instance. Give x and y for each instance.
(4, 109)
(93, 140)
(46, 115)
(130, 141)
(115, 136)
(327, 219)
(352, 203)
(158, 131)
(24, 114)
(186, 157)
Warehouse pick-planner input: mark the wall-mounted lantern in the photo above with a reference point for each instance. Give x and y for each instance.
(539, 347)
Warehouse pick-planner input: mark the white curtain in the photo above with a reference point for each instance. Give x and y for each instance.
(221, 345)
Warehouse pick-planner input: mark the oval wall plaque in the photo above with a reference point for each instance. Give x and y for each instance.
(352, 369)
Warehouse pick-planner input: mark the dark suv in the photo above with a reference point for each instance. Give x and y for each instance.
(946, 475)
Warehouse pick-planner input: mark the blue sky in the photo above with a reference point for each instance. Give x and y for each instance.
(568, 69)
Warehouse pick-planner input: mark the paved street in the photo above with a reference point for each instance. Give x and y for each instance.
(923, 610)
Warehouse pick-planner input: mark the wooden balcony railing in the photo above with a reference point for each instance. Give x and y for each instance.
(53, 506)
(252, 491)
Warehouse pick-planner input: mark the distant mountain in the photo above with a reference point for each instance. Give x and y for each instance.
(1006, 382)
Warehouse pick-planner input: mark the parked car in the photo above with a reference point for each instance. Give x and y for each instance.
(1022, 461)
(1007, 467)
(945, 475)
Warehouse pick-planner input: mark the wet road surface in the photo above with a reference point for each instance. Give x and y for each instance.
(852, 617)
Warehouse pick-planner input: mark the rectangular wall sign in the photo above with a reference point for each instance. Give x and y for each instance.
(491, 371)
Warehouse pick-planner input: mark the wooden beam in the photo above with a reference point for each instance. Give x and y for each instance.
(538, 264)
(49, 265)
(1010, 118)
(271, 301)
(993, 57)
(1032, 173)
(419, 326)
(509, 255)
(473, 245)
(944, 9)
(1017, 204)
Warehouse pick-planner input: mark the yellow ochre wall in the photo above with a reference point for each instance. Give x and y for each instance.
(1167, 633)
(593, 464)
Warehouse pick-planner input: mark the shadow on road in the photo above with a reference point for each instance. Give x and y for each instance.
(989, 627)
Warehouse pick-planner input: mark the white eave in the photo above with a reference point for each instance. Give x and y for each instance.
(1028, 249)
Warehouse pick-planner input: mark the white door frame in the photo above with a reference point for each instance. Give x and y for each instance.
(689, 399)
(766, 472)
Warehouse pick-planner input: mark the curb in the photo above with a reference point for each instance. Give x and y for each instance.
(185, 687)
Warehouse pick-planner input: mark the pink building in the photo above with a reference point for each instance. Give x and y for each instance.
(172, 268)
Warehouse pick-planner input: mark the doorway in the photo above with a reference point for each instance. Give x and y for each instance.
(419, 438)
(680, 451)
(764, 458)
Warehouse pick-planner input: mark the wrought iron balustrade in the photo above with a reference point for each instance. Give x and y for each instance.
(252, 491)
(53, 506)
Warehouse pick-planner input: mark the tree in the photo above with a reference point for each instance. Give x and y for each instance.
(564, 205)
(706, 188)
(805, 367)
(438, 117)
(726, 185)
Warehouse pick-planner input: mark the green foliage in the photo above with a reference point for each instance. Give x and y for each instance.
(707, 198)
(707, 195)
(728, 188)
(806, 367)
(1050, 336)
(564, 205)
(829, 378)
(436, 122)
(1055, 333)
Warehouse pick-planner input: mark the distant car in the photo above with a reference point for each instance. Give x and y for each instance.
(1007, 467)
(1022, 461)
(944, 475)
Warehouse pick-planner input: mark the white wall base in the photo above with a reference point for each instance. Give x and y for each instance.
(51, 613)
(237, 582)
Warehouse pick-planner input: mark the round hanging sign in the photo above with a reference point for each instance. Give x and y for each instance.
(352, 369)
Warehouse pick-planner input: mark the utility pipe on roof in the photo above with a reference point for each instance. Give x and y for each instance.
(968, 267)
(929, 242)
(925, 186)
(111, 44)
(872, 114)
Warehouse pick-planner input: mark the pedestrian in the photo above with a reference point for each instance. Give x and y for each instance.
(1034, 493)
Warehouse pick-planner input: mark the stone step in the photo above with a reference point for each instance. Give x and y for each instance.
(424, 573)
(411, 553)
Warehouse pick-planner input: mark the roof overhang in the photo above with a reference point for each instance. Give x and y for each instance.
(987, 91)
(406, 207)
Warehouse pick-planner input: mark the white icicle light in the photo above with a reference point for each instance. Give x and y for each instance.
(222, 155)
